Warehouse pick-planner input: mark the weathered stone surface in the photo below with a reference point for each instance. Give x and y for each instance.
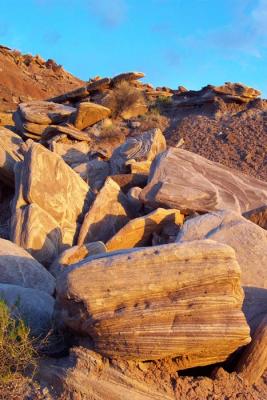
(138, 232)
(34, 306)
(188, 182)
(127, 181)
(143, 147)
(135, 110)
(72, 153)
(141, 167)
(45, 180)
(89, 113)
(36, 129)
(127, 76)
(45, 112)
(10, 154)
(258, 216)
(250, 244)
(150, 303)
(35, 230)
(79, 93)
(76, 254)
(98, 84)
(109, 213)
(17, 267)
(6, 118)
(65, 129)
(94, 172)
(90, 376)
(133, 196)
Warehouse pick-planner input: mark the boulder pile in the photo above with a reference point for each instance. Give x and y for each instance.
(139, 251)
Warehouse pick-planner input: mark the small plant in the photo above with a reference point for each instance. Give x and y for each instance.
(123, 97)
(17, 353)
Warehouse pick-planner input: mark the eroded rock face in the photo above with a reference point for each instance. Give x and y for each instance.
(250, 244)
(47, 184)
(150, 303)
(72, 153)
(89, 113)
(110, 211)
(144, 147)
(10, 154)
(188, 182)
(18, 267)
(138, 232)
(258, 216)
(34, 306)
(45, 112)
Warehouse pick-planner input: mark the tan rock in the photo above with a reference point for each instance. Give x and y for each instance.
(138, 232)
(45, 112)
(94, 172)
(89, 113)
(139, 108)
(258, 216)
(127, 76)
(149, 303)
(72, 153)
(66, 129)
(76, 254)
(141, 167)
(10, 154)
(127, 181)
(6, 118)
(143, 147)
(108, 214)
(188, 182)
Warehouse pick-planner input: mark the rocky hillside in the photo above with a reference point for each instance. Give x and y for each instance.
(130, 233)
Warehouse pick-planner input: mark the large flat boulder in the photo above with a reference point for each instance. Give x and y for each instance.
(10, 154)
(34, 306)
(72, 153)
(138, 232)
(179, 300)
(110, 211)
(250, 244)
(45, 112)
(188, 182)
(143, 147)
(89, 113)
(18, 267)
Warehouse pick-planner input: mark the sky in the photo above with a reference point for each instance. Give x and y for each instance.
(174, 42)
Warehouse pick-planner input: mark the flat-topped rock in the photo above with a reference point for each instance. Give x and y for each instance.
(10, 154)
(149, 303)
(45, 112)
(127, 76)
(89, 113)
(188, 182)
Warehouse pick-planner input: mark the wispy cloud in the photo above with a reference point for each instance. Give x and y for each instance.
(110, 13)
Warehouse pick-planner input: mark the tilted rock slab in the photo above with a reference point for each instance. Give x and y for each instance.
(110, 211)
(179, 300)
(250, 244)
(45, 112)
(45, 180)
(10, 154)
(188, 182)
(144, 147)
(138, 231)
(258, 216)
(18, 267)
(89, 113)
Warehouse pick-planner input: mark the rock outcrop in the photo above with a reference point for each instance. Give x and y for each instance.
(10, 154)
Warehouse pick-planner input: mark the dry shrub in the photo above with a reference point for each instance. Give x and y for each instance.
(123, 97)
(153, 119)
(17, 353)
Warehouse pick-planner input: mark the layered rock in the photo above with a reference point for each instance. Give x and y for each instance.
(150, 303)
(89, 113)
(45, 112)
(10, 154)
(188, 182)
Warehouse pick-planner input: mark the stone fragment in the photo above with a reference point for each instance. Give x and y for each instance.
(110, 211)
(143, 147)
(139, 108)
(65, 129)
(188, 182)
(45, 112)
(250, 244)
(94, 172)
(17, 267)
(258, 216)
(10, 154)
(34, 306)
(150, 303)
(138, 232)
(133, 196)
(72, 153)
(89, 113)
(139, 167)
(127, 181)
(127, 76)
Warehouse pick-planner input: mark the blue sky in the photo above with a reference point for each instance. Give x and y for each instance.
(175, 42)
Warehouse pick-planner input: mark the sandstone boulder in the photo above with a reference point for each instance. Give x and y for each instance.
(110, 211)
(250, 244)
(72, 153)
(127, 76)
(144, 147)
(18, 267)
(89, 113)
(138, 232)
(45, 112)
(10, 154)
(34, 306)
(188, 182)
(156, 302)
(94, 172)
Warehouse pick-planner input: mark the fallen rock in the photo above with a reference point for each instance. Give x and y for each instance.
(144, 147)
(138, 232)
(94, 172)
(89, 113)
(133, 196)
(258, 216)
(250, 244)
(188, 182)
(139, 108)
(128, 181)
(110, 211)
(76, 254)
(34, 306)
(150, 303)
(45, 112)
(72, 153)
(17, 267)
(127, 76)
(10, 154)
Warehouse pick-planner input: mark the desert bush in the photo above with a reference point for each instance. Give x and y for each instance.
(122, 97)
(153, 119)
(17, 353)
